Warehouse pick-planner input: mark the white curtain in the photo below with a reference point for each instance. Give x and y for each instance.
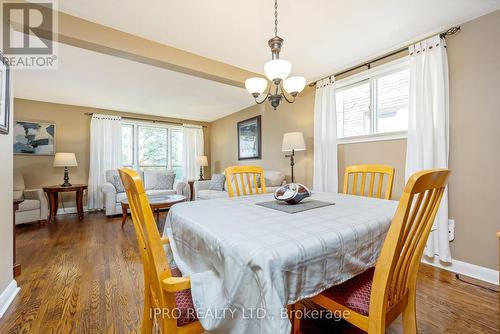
(193, 146)
(105, 154)
(428, 127)
(325, 137)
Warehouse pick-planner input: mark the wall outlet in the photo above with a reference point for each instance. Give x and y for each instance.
(451, 229)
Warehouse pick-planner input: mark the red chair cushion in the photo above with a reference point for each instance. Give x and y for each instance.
(184, 303)
(354, 293)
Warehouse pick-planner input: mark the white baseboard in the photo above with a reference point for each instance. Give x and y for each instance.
(7, 296)
(468, 269)
(72, 209)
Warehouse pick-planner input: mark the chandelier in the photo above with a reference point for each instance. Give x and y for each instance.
(277, 71)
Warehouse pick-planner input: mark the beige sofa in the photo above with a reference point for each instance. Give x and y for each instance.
(35, 206)
(114, 196)
(274, 180)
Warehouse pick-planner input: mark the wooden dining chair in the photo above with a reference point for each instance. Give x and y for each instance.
(373, 171)
(245, 180)
(165, 290)
(376, 297)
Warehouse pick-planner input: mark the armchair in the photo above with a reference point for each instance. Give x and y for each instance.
(34, 208)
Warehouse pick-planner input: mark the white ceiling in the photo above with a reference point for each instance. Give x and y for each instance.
(321, 36)
(96, 80)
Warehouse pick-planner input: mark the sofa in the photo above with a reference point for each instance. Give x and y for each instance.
(114, 192)
(273, 179)
(35, 206)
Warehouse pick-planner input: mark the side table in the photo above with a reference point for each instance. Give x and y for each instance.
(53, 194)
(191, 190)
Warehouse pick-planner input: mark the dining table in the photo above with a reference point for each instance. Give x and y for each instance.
(248, 262)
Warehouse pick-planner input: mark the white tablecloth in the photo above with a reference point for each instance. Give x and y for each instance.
(247, 262)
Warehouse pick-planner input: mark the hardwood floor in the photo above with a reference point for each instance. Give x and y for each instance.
(86, 277)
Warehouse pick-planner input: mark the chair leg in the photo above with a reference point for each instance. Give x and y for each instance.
(147, 320)
(410, 314)
(292, 314)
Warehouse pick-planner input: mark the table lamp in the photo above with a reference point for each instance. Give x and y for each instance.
(65, 160)
(293, 141)
(201, 161)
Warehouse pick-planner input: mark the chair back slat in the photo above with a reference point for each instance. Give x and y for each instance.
(373, 171)
(239, 180)
(155, 262)
(396, 270)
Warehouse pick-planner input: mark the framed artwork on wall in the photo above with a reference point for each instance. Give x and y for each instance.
(34, 138)
(4, 96)
(249, 139)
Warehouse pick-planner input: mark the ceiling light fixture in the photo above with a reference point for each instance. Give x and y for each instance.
(277, 71)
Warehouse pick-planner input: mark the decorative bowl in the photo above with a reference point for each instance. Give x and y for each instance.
(292, 193)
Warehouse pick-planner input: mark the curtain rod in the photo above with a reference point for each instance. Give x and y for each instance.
(450, 32)
(145, 119)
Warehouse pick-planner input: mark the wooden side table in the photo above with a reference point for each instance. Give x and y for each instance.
(191, 190)
(17, 266)
(53, 194)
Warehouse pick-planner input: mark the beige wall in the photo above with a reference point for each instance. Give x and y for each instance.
(72, 135)
(474, 154)
(474, 61)
(6, 265)
(289, 117)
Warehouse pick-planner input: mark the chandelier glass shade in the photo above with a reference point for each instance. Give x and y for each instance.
(277, 71)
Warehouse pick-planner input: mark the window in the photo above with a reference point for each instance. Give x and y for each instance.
(374, 102)
(152, 147)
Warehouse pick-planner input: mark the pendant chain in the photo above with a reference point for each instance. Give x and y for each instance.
(275, 18)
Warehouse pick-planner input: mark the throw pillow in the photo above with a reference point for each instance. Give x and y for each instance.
(217, 182)
(117, 182)
(164, 181)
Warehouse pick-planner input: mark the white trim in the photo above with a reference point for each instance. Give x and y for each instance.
(373, 137)
(7, 296)
(468, 269)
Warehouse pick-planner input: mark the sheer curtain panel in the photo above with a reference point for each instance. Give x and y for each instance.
(325, 137)
(105, 154)
(193, 146)
(428, 127)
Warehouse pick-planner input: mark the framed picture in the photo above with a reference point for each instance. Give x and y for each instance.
(34, 138)
(249, 139)
(4, 96)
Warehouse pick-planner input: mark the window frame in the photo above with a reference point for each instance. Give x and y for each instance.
(371, 76)
(135, 141)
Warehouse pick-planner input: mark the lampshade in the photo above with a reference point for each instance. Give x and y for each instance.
(65, 160)
(294, 85)
(293, 141)
(277, 69)
(256, 85)
(202, 161)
